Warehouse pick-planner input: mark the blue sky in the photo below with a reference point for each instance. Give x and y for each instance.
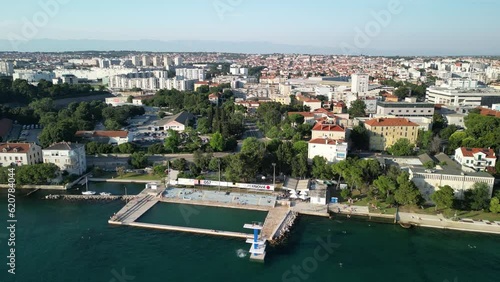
(464, 26)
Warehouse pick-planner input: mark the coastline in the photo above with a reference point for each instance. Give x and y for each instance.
(419, 220)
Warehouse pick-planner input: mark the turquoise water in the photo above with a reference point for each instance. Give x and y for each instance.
(72, 241)
(202, 217)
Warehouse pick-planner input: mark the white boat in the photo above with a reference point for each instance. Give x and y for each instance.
(105, 194)
(87, 192)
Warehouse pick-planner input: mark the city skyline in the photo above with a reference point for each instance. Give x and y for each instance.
(393, 27)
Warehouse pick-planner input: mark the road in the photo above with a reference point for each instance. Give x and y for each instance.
(121, 160)
(251, 131)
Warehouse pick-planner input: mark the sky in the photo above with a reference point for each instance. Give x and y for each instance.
(458, 27)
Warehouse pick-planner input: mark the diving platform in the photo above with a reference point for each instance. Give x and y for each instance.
(258, 245)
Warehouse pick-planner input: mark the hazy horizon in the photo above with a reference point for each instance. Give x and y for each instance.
(379, 27)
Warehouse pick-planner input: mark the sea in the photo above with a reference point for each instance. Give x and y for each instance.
(60, 241)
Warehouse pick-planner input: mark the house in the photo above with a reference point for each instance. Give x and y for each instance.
(106, 136)
(176, 122)
(475, 158)
(332, 150)
(313, 104)
(213, 98)
(384, 132)
(328, 129)
(20, 154)
(338, 107)
(139, 101)
(67, 156)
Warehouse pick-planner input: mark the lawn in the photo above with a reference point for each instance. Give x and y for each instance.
(138, 176)
(450, 213)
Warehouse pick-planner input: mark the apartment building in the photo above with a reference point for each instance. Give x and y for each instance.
(330, 149)
(475, 158)
(67, 156)
(462, 97)
(359, 83)
(405, 109)
(384, 132)
(328, 129)
(18, 154)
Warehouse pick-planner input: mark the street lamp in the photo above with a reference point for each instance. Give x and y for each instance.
(274, 174)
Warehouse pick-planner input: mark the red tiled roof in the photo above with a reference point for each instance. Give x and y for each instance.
(14, 148)
(469, 152)
(390, 122)
(488, 112)
(326, 141)
(327, 127)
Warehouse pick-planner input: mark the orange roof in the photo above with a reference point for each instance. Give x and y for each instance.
(327, 127)
(102, 133)
(470, 152)
(390, 122)
(213, 96)
(14, 148)
(326, 141)
(488, 112)
(311, 101)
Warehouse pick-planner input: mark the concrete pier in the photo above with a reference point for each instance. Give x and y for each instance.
(186, 229)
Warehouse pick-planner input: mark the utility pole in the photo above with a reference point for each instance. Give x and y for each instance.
(274, 174)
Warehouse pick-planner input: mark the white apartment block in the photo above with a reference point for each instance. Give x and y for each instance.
(18, 154)
(33, 76)
(359, 83)
(178, 61)
(146, 61)
(332, 150)
(475, 158)
(67, 156)
(462, 97)
(190, 73)
(405, 109)
(6, 68)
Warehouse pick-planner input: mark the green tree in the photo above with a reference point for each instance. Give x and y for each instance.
(495, 205)
(179, 164)
(345, 194)
(385, 185)
(217, 142)
(443, 197)
(320, 168)
(173, 141)
(360, 137)
(130, 98)
(478, 197)
(429, 164)
(357, 109)
(138, 160)
(402, 147)
(407, 194)
(296, 119)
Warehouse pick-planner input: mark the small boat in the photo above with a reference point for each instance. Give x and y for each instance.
(87, 192)
(105, 194)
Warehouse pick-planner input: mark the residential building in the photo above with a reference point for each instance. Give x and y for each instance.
(190, 73)
(404, 109)
(136, 61)
(6, 68)
(176, 122)
(328, 129)
(178, 61)
(359, 83)
(67, 156)
(213, 98)
(33, 76)
(475, 158)
(384, 132)
(116, 137)
(146, 62)
(139, 101)
(20, 154)
(330, 149)
(462, 97)
(313, 104)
